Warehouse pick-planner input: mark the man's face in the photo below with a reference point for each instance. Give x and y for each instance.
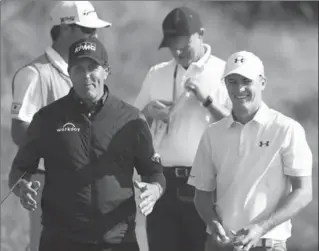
(88, 79)
(245, 94)
(186, 49)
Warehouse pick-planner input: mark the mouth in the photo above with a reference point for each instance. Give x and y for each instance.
(241, 97)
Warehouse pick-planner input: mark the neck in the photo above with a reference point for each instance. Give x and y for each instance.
(244, 116)
(201, 53)
(62, 50)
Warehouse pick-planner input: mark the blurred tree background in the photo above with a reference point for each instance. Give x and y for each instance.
(283, 34)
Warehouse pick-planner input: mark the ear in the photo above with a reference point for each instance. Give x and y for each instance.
(201, 32)
(263, 81)
(106, 73)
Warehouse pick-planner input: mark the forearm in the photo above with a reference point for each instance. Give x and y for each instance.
(292, 205)
(205, 207)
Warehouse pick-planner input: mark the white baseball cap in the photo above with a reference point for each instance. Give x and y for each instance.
(81, 13)
(244, 63)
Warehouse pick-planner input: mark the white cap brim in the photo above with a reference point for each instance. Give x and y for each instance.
(243, 71)
(94, 24)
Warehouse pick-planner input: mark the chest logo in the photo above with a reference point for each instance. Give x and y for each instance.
(263, 143)
(68, 127)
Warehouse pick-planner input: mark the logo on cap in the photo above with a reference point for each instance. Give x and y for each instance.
(239, 59)
(67, 19)
(85, 46)
(87, 12)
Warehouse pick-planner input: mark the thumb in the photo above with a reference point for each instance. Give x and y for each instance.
(35, 185)
(139, 185)
(220, 231)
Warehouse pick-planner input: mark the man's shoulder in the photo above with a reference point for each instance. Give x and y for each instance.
(217, 128)
(216, 62)
(163, 66)
(283, 121)
(56, 107)
(124, 109)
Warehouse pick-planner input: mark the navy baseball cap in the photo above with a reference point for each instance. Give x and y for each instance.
(180, 22)
(88, 48)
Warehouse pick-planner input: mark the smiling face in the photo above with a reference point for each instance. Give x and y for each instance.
(88, 79)
(245, 93)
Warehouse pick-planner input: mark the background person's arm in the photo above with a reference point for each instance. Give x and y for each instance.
(28, 155)
(27, 100)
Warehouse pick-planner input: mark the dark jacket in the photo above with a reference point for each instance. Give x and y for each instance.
(89, 159)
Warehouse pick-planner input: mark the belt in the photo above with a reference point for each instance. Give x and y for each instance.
(40, 171)
(177, 171)
(267, 244)
(176, 182)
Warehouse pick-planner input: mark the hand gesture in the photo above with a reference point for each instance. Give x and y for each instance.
(246, 238)
(150, 193)
(159, 110)
(27, 193)
(219, 234)
(192, 87)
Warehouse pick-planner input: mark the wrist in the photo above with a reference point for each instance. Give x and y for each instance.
(207, 101)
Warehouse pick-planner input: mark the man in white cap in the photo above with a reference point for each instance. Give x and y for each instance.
(46, 78)
(255, 163)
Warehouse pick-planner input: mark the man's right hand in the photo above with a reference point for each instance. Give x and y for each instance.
(219, 234)
(27, 193)
(159, 110)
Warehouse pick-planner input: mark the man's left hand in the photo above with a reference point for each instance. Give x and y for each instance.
(247, 238)
(192, 87)
(150, 193)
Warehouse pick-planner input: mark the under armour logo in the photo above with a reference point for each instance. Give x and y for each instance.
(239, 59)
(262, 144)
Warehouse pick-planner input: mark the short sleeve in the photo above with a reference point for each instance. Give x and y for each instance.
(27, 94)
(203, 173)
(143, 98)
(296, 153)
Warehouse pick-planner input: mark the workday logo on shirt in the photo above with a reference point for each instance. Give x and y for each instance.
(68, 127)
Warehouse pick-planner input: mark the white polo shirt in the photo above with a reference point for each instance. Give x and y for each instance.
(28, 94)
(177, 146)
(249, 165)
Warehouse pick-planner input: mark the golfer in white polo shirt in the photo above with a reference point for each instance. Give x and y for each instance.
(182, 97)
(255, 163)
(46, 79)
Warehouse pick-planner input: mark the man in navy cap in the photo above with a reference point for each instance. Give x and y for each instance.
(90, 142)
(181, 98)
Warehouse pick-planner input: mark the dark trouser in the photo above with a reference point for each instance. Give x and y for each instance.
(211, 245)
(49, 242)
(174, 225)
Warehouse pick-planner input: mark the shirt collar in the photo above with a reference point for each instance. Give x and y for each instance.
(261, 117)
(202, 61)
(56, 59)
(98, 105)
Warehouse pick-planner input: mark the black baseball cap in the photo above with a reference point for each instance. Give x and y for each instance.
(88, 48)
(180, 22)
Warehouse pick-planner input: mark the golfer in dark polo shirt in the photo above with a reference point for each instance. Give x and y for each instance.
(90, 142)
